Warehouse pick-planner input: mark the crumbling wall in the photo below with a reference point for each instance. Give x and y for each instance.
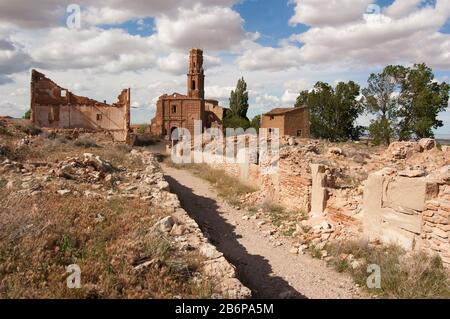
(399, 194)
(55, 107)
(409, 209)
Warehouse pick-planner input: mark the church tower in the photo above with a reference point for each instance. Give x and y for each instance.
(196, 76)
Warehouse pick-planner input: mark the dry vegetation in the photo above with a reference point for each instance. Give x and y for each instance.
(403, 274)
(42, 232)
(42, 235)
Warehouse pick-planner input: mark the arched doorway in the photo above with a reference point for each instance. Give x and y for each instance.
(174, 138)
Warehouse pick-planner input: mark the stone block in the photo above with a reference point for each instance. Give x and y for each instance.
(372, 200)
(407, 192)
(412, 223)
(319, 193)
(403, 238)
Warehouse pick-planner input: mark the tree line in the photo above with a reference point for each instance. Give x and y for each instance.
(404, 102)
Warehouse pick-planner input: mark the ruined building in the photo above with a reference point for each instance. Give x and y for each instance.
(180, 111)
(290, 121)
(55, 107)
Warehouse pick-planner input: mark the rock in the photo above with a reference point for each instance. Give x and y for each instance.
(177, 230)
(165, 225)
(145, 264)
(234, 289)
(209, 251)
(412, 173)
(294, 251)
(163, 185)
(427, 143)
(325, 225)
(335, 151)
(357, 263)
(261, 223)
(63, 192)
(99, 218)
(219, 267)
(291, 141)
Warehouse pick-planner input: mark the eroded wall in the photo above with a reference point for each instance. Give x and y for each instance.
(55, 107)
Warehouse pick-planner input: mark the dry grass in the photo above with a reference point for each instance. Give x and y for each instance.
(403, 275)
(40, 236)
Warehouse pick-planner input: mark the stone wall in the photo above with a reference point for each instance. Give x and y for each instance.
(409, 209)
(55, 107)
(396, 195)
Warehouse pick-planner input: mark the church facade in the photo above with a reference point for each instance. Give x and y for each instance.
(181, 111)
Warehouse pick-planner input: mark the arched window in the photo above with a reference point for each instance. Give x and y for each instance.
(193, 84)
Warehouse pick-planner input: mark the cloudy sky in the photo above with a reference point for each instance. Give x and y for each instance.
(279, 46)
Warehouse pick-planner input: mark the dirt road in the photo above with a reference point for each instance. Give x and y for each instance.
(270, 271)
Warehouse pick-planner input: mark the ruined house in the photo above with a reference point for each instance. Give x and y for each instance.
(181, 111)
(292, 121)
(55, 107)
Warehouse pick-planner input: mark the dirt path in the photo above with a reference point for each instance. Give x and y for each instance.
(269, 271)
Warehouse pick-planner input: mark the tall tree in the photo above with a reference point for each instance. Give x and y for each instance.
(239, 100)
(333, 111)
(380, 99)
(421, 99)
(256, 122)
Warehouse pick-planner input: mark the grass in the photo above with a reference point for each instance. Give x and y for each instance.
(85, 143)
(36, 247)
(403, 275)
(29, 129)
(142, 129)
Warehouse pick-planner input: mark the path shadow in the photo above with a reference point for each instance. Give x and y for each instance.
(254, 271)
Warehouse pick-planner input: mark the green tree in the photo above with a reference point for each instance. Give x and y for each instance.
(233, 121)
(421, 99)
(380, 100)
(236, 115)
(333, 111)
(239, 100)
(256, 122)
(27, 115)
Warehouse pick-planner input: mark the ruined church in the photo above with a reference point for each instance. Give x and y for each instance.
(181, 111)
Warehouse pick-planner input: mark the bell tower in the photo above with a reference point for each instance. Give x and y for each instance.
(196, 76)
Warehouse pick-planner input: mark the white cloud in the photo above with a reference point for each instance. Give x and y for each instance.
(49, 13)
(218, 92)
(111, 50)
(210, 28)
(177, 63)
(328, 12)
(411, 39)
(293, 89)
(174, 63)
(401, 8)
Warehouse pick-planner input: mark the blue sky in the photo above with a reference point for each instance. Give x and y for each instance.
(279, 46)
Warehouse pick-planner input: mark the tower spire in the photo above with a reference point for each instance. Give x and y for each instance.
(196, 76)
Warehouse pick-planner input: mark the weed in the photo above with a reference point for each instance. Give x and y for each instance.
(85, 142)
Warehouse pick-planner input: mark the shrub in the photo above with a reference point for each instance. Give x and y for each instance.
(142, 129)
(403, 275)
(29, 129)
(145, 140)
(85, 142)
